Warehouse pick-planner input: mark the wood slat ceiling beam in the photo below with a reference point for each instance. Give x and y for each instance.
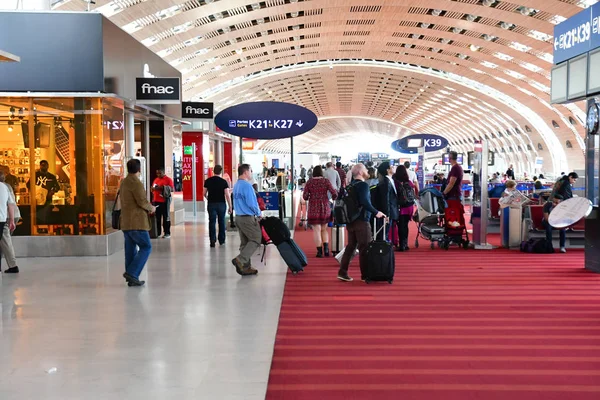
(216, 42)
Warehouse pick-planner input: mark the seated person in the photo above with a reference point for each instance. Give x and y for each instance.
(495, 179)
(548, 207)
(511, 186)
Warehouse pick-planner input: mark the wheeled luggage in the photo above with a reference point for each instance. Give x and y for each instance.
(293, 256)
(381, 262)
(276, 229)
(153, 226)
(338, 238)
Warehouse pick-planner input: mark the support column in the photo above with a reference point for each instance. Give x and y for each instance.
(292, 166)
(146, 154)
(241, 150)
(130, 135)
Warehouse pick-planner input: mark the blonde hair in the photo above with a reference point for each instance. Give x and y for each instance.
(511, 184)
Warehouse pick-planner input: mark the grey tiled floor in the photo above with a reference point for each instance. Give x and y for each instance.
(196, 331)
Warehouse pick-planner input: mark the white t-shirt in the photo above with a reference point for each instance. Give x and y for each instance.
(5, 200)
(412, 175)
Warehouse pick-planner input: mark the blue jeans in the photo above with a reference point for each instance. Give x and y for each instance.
(561, 232)
(137, 251)
(216, 212)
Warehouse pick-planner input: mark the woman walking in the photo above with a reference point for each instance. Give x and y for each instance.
(319, 210)
(403, 184)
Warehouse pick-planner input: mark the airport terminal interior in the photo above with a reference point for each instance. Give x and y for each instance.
(300, 199)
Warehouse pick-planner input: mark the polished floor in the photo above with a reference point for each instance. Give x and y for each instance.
(71, 329)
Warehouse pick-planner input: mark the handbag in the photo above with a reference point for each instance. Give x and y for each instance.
(116, 214)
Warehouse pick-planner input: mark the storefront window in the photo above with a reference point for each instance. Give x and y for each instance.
(113, 152)
(51, 152)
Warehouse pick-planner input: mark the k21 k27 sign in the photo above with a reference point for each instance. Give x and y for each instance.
(577, 35)
(157, 90)
(411, 144)
(266, 120)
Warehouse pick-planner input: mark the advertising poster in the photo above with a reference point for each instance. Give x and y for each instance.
(186, 169)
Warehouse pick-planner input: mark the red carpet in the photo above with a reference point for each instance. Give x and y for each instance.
(457, 324)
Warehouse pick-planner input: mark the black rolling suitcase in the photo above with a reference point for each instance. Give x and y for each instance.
(153, 228)
(293, 256)
(381, 263)
(280, 235)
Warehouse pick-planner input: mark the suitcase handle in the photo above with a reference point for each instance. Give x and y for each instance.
(376, 231)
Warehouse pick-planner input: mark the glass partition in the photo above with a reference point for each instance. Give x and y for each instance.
(52, 152)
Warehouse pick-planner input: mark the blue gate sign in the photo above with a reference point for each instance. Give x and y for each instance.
(266, 120)
(410, 144)
(573, 36)
(364, 158)
(271, 200)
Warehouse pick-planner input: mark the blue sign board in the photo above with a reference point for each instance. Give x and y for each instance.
(363, 157)
(266, 120)
(271, 200)
(410, 144)
(577, 35)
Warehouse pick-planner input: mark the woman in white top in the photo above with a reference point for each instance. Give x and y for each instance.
(8, 222)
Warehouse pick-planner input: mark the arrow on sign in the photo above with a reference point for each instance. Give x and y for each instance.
(299, 123)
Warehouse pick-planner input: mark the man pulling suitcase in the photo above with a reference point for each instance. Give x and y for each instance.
(359, 230)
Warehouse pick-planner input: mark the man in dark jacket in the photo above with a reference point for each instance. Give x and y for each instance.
(359, 231)
(384, 196)
(564, 187)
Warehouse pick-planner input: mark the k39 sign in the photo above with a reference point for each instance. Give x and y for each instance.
(411, 144)
(266, 120)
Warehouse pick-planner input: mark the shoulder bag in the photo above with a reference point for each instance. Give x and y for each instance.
(116, 213)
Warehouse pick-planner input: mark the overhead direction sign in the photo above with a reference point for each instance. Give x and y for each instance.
(266, 120)
(577, 35)
(411, 144)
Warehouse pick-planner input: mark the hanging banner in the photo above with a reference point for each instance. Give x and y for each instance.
(266, 120)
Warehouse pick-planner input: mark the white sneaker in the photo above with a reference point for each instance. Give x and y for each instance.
(166, 236)
(563, 250)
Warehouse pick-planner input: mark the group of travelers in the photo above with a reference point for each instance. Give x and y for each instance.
(380, 194)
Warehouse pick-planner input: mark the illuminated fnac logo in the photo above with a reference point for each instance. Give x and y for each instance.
(157, 90)
(196, 110)
(148, 88)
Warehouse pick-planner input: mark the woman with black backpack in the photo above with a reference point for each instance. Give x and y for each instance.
(405, 190)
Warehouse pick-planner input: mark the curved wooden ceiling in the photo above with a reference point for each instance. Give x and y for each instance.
(461, 68)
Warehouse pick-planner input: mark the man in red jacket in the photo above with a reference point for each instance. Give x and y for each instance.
(162, 189)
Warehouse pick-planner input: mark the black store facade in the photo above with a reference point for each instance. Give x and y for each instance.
(71, 101)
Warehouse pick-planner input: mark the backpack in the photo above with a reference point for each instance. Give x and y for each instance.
(276, 230)
(346, 208)
(538, 246)
(405, 195)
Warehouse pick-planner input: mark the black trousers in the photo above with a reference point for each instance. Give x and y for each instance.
(403, 222)
(163, 216)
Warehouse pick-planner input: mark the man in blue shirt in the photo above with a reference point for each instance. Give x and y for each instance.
(359, 231)
(247, 217)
